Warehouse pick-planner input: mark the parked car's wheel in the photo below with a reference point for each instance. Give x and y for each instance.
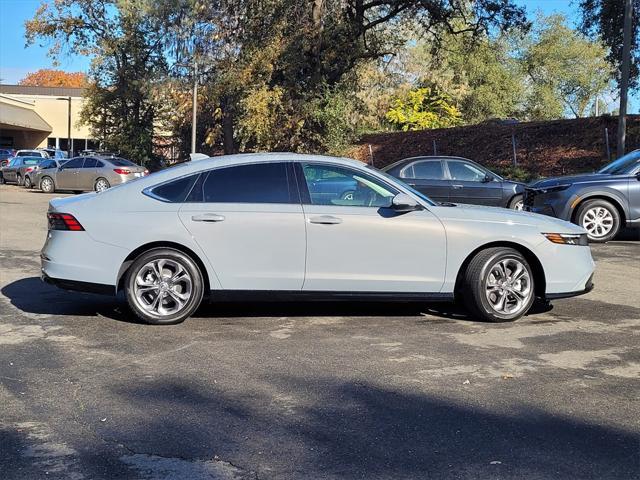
(101, 185)
(27, 182)
(517, 203)
(47, 185)
(164, 286)
(19, 179)
(600, 219)
(2, 180)
(498, 285)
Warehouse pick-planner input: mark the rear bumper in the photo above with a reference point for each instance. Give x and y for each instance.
(78, 286)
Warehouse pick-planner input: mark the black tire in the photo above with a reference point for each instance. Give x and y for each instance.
(19, 179)
(102, 181)
(2, 180)
(474, 282)
(44, 184)
(27, 182)
(584, 216)
(190, 306)
(515, 201)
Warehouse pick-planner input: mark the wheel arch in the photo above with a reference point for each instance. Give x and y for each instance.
(539, 276)
(600, 196)
(162, 244)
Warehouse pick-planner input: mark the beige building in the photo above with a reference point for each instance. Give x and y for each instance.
(32, 117)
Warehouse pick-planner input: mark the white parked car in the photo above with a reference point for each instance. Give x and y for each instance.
(277, 226)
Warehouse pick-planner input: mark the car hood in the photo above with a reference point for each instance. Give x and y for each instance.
(570, 180)
(507, 217)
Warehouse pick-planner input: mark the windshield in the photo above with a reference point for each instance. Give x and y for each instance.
(395, 180)
(624, 164)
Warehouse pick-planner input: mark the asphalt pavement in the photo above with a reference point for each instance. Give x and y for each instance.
(313, 391)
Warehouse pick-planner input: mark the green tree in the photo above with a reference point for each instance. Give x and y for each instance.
(127, 63)
(604, 19)
(423, 108)
(566, 70)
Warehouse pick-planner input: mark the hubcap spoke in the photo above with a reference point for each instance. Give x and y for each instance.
(508, 286)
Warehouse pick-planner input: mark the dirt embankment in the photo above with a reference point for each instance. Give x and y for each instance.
(555, 147)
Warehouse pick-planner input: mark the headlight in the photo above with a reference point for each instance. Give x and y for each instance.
(568, 238)
(555, 188)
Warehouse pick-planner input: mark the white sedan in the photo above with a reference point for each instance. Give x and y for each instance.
(276, 226)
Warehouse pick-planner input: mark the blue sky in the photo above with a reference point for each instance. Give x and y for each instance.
(16, 60)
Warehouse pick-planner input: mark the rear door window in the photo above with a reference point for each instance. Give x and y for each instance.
(256, 183)
(90, 163)
(425, 170)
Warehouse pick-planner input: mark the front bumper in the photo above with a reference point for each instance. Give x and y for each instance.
(552, 204)
(587, 288)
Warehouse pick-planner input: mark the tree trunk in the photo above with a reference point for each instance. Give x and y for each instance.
(317, 19)
(227, 126)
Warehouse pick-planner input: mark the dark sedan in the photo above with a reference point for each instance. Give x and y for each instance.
(601, 202)
(457, 180)
(17, 169)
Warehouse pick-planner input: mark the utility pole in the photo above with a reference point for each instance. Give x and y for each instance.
(624, 78)
(69, 149)
(194, 113)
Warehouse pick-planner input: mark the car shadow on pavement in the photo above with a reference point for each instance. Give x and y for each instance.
(324, 427)
(31, 295)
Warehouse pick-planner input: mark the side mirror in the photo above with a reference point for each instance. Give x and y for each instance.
(404, 203)
(487, 178)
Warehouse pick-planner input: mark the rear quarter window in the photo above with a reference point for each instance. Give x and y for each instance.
(174, 191)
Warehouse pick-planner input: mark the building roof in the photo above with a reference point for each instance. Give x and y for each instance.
(22, 118)
(49, 91)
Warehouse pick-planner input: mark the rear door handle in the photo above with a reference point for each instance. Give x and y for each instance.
(325, 220)
(457, 186)
(208, 217)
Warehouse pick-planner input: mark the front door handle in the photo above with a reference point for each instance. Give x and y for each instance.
(325, 220)
(457, 186)
(208, 217)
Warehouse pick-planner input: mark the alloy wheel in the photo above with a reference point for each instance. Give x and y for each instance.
(519, 205)
(46, 185)
(508, 286)
(101, 185)
(598, 221)
(162, 287)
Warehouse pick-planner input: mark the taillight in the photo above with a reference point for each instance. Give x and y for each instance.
(122, 171)
(63, 221)
(146, 172)
(30, 169)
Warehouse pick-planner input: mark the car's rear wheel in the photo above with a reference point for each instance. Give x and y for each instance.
(27, 182)
(47, 185)
(498, 285)
(600, 219)
(101, 185)
(517, 203)
(164, 286)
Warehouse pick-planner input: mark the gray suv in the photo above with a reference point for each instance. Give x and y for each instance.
(91, 173)
(601, 202)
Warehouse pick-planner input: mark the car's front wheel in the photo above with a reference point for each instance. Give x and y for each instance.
(600, 219)
(517, 203)
(164, 286)
(498, 285)
(19, 179)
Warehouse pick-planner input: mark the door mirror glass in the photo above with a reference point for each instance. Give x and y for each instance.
(404, 203)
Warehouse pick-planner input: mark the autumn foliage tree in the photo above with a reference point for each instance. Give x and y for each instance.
(54, 78)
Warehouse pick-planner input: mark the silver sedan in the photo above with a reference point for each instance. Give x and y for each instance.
(275, 226)
(96, 172)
